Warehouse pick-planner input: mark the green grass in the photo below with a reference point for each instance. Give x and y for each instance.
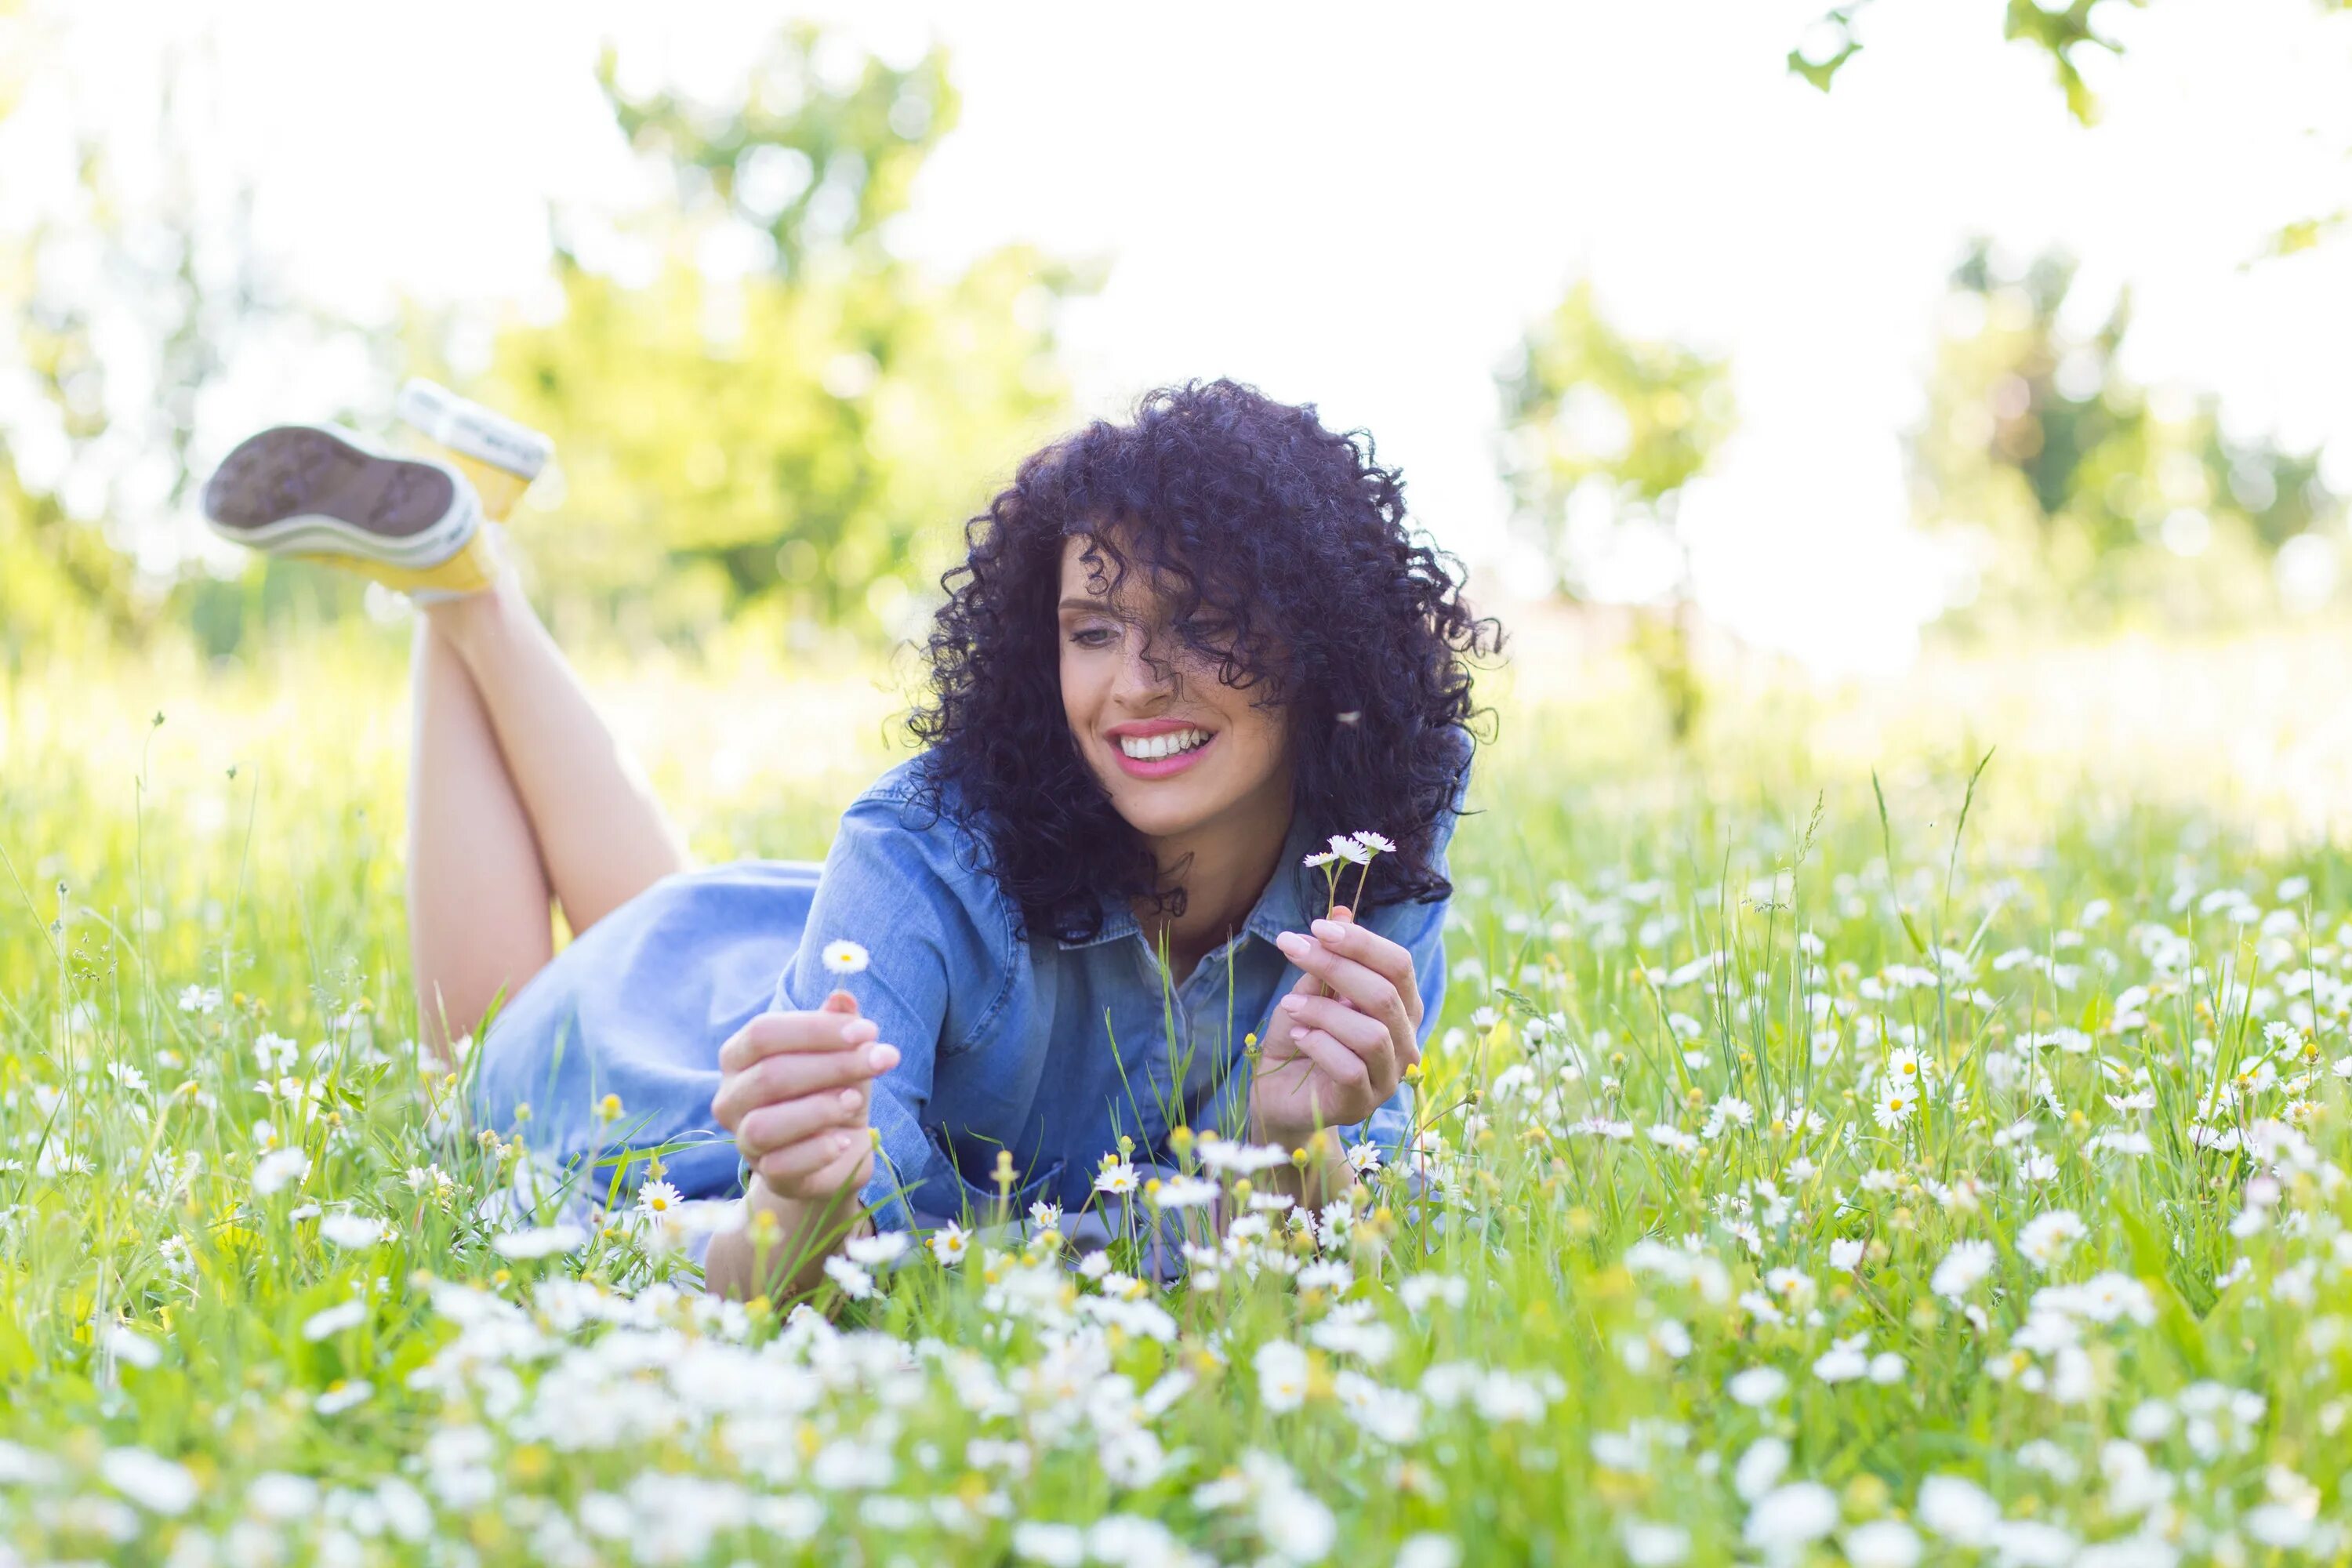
(1588, 1389)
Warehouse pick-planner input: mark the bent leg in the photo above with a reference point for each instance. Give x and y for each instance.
(601, 836)
(478, 923)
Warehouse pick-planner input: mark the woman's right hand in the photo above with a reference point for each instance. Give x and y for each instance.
(794, 1088)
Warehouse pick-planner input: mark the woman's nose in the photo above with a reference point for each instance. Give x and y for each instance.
(1145, 671)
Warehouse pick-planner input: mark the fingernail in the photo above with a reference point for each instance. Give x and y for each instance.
(841, 1143)
(1288, 1004)
(1327, 929)
(849, 1098)
(1291, 943)
(882, 1058)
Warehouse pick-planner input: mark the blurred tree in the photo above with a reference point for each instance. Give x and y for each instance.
(2067, 32)
(56, 581)
(753, 395)
(123, 303)
(2087, 497)
(2061, 29)
(1615, 426)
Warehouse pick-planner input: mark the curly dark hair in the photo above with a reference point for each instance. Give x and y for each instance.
(1319, 596)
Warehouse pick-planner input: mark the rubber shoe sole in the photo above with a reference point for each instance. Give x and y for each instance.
(327, 495)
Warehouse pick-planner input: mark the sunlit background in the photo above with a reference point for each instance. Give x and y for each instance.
(2012, 321)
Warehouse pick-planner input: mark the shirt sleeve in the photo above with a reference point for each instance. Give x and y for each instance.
(939, 948)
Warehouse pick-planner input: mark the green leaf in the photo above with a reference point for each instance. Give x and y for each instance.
(16, 1358)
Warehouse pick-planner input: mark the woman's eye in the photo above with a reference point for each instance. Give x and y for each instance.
(1093, 637)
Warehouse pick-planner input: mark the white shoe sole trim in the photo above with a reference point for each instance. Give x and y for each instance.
(306, 531)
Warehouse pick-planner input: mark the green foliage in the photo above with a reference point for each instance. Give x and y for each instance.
(1596, 419)
(758, 402)
(118, 311)
(784, 411)
(2061, 32)
(60, 583)
(1654, 1096)
(2087, 496)
(1831, 43)
(1589, 403)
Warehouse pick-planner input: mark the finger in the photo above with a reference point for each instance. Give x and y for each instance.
(771, 1033)
(1408, 1051)
(1336, 1061)
(1370, 990)
(810, 1156)
(838, 1181)
(789, 1077)
(1366, 1036)
(1367, 947)
(847, 1175)
(1404, 1031)
(770, 1127)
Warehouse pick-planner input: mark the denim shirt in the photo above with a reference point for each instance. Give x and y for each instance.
(607, 1059)
(1047, 1049)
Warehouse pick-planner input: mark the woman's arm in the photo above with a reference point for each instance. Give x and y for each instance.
(790, 1236)
(1336, 1050)
(795, 1093)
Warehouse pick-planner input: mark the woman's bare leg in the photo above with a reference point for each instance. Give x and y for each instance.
(601, 836)
(477, 897)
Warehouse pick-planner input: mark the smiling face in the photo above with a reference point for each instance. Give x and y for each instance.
(1179, 752)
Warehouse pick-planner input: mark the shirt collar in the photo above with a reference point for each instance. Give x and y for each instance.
(1284, 906)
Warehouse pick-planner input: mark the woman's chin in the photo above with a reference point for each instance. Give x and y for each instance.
(1160, 810)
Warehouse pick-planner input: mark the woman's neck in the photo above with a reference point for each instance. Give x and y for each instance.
(1224, 868)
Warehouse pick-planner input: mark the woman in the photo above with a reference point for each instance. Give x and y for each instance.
(1182, 653)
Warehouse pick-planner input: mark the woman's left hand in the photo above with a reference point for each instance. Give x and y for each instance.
(1330, 1061)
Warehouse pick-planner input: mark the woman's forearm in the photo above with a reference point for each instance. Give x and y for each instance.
(779, 1249)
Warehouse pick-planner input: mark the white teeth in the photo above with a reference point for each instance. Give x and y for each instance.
(1144, 749)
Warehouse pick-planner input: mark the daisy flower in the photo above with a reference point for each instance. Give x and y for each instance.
(1184, 1193)
(2048, 1237)
(351, 1231)
(854, 1283)
(846, 958)
(1963, 1266)
(1282, 1376)
(657, 1199)
(949, 1242)
(1375, 843)
(874, 1251)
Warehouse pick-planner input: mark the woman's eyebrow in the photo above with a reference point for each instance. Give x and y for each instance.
(1076, 603)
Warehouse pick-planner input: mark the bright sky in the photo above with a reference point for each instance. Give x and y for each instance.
(1361, 205)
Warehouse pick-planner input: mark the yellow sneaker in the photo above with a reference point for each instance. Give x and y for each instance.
(324, 493)
(500, 457)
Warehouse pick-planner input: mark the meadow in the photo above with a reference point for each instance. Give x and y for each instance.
(1836, 1146)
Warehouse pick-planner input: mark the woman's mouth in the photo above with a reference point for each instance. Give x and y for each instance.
(1157, 756)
